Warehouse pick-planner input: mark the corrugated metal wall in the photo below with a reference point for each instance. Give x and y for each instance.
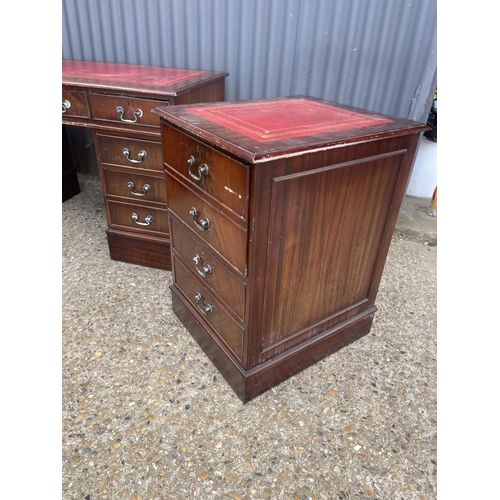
(375, 54)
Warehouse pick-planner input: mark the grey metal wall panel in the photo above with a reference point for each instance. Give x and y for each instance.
(376, 54)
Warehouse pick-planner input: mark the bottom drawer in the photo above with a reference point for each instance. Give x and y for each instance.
(226, 327)
(137, 217)
(133, 186)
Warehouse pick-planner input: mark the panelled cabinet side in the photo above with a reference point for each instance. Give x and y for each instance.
(321, 226)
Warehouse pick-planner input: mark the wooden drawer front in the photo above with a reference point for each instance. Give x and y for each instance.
(227, 328)
(209, 268)
(74, 103)
(135, 187)
(223, 235)
(219, 175)
(126, 152)
(136, 111)
(121, 215)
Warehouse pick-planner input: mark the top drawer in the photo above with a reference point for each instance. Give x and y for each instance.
(213, 172)
(125, 110)
(74, 103)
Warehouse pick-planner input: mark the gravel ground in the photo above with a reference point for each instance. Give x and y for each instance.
(146, 415)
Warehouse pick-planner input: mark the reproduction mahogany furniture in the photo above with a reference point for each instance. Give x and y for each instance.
(281, 213)
(116, 102)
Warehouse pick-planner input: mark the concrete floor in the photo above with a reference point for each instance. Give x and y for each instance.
(414, 218)
(147, 416)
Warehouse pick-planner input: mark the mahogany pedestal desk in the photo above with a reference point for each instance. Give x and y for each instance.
(116, 102)
(281, 213)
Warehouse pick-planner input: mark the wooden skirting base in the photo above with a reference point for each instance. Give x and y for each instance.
(250, 383)
(141, 250)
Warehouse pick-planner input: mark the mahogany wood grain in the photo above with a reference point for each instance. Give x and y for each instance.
(75, 104)
(350, 224)
(218, 317)
(145, 189)
(207, 92)
(220, 278)
(332, 259)
(223, 236)
(120, 217)
(139, 249)
(112, 155)
(291, 362)
(225, 180)
(321, 211)
(104, 107)
(217, 351)
(249, 384)
(94, 90)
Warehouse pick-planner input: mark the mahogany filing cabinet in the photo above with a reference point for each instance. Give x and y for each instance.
(116, 102)
(281, 213)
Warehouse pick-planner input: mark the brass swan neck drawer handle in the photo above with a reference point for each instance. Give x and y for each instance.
(137, 113)
(65, 105)
(141, 155)
(148, 219)
(145, 189)
(202, 170)
(204, 308)
(204, 270)
(203, 224)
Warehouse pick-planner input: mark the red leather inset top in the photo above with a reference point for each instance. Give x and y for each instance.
(284, 119)
(132, 74)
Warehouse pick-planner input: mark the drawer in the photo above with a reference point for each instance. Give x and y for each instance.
(209, 268)
(222, 234)
(213, 172)
(74, 103)
(209, 309)
(125, 110)
(135, 186)
(126, 152)
(137, 217)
